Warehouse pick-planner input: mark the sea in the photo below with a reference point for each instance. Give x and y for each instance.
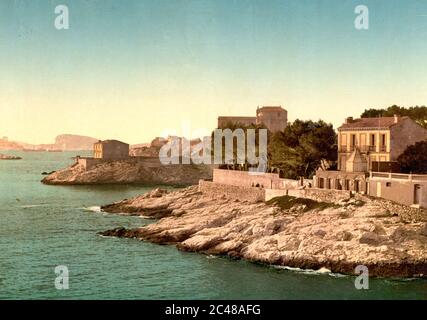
(43, 227)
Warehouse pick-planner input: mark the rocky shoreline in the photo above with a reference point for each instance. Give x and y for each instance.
(388, 238)
(128, 172)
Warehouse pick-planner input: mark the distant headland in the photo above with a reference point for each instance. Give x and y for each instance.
(63, 142)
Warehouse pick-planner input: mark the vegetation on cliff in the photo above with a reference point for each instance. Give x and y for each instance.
(417, 113)
(301, 147)
(414, 158)
(298, 150)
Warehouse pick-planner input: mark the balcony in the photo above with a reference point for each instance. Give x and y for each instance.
(363, 149)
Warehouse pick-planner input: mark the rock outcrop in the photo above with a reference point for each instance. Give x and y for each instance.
(7, 157)
(130, 172)
(390, 239)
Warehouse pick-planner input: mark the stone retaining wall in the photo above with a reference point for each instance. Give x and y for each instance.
(322, 195)
(244, 178)
(218, 190)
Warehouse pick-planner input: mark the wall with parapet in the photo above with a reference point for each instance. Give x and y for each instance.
(401, 188)
(218, 190)
(243, 178)
(246, 121)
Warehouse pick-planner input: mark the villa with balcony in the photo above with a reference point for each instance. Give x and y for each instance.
(367, 152)
(379, 140)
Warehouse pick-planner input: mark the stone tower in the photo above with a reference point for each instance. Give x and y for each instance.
(274, 118)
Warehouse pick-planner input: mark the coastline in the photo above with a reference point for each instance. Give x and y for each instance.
(388, 238)
(129, 172)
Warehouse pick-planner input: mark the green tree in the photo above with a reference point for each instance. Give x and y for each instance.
(417, 113)
(414, 158)
(300, 148)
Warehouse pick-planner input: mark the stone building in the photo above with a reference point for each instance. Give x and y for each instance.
(110, 150)
(366, 148)
(273, 118)
(379, 140)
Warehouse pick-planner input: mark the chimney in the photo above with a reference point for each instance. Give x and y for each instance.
(349, 120)
(396, 118)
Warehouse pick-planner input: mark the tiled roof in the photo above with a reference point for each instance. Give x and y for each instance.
(363, 123)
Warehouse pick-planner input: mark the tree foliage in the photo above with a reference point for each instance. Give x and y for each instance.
(414, 158)
(418, 114)
(300, 148)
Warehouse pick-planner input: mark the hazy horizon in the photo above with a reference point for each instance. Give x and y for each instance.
(132, 69)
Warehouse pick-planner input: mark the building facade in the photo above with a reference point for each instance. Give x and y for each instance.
(275, 119)
(111, 150)
(373, 145)
(380, 141)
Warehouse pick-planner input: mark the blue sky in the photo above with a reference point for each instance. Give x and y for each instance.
(131, 69)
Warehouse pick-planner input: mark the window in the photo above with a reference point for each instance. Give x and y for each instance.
(353, 141)
(347, 184)
(388, 184)
(343, 142)
(356, 185)
(383, 143)
(363, 141)
(373, 143)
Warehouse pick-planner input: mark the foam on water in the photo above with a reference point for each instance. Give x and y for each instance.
(93, 209)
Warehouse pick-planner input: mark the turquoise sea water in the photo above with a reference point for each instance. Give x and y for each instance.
(42, 227)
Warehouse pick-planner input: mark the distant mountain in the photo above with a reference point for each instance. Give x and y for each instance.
(72, 142)
(63, 142)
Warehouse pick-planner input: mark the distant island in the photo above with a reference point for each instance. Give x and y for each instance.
(7, 157)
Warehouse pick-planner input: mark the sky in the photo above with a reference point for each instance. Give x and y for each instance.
(136, 69)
